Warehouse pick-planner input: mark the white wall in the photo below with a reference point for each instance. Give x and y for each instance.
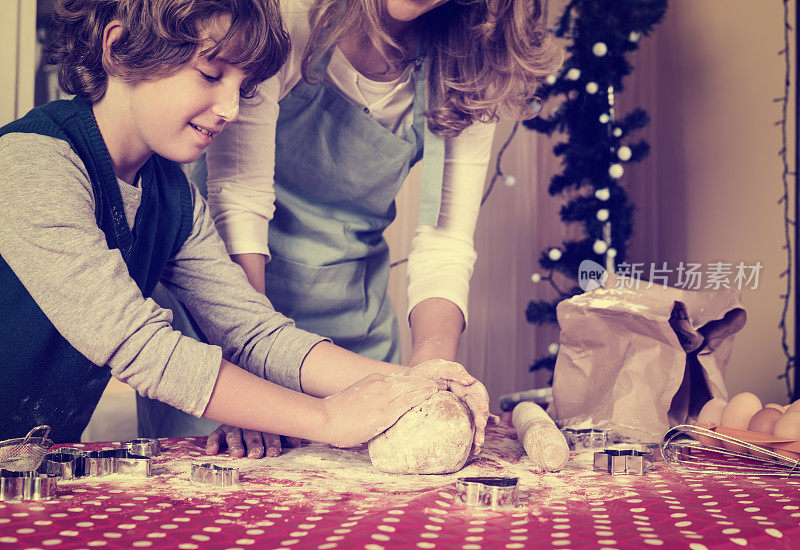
(17, 58)
(708, 77)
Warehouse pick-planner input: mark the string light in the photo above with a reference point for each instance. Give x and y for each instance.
(599, 49)
(788, 223)
(599, 247)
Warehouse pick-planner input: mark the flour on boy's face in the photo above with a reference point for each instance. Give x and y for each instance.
(177, 116)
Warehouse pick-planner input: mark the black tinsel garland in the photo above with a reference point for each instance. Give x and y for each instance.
(598, 144)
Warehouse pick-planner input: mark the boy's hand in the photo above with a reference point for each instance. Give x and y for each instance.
(253, 442)
(465, 386)
(371, 405)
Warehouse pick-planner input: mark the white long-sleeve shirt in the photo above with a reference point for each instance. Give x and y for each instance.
(241, 164)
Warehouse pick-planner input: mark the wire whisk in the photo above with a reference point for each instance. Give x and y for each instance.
(680, 449)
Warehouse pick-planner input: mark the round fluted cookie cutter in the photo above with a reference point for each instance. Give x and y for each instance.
(211, 474)
(144, 446)
(16, 486)
(487, 492)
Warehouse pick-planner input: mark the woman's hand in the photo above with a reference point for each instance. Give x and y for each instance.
(252, 442)
(465, 386)
(371, 405)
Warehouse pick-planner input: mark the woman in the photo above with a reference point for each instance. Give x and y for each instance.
(370, 88)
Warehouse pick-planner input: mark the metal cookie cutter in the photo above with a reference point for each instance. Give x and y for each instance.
(63, 465)
(144, 447)
(211, 474)
(126, 462)
(27, 486)
(487, 492)
(116, 461)
(623, 461)
(586, 439)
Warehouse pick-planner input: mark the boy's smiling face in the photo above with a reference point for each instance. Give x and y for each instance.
(178, 116)
(175, 116)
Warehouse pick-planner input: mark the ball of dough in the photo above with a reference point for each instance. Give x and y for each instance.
(435, 437)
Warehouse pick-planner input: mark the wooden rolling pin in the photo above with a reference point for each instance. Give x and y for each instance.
(542, 440)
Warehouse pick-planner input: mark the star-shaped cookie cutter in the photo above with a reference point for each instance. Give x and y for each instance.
(623, 461)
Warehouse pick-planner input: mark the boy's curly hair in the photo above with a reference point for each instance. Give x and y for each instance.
(158, 38)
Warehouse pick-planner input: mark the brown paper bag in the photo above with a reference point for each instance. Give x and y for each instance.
(638, 361)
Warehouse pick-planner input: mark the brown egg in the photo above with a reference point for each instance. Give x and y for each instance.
(737, 414)
(788, 426)
(710, 415)
(764, 420)
(794, 407)
(739, 410)
(774, 406)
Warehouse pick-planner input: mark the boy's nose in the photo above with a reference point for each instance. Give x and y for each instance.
(227, 106)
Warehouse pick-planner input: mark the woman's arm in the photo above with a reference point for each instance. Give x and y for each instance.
(442, 257)
(436, 325)
(253, 265)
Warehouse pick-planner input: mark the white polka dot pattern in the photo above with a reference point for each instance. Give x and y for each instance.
(573, 508)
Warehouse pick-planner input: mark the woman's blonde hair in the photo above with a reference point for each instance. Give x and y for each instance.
(485, 55)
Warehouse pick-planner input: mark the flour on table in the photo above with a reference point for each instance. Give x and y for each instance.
(323, 477)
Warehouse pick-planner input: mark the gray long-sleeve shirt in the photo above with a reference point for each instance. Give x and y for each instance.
(50, 239)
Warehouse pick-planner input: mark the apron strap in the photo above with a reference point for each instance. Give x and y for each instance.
(432, 144)
(319, 68)
(432, 151)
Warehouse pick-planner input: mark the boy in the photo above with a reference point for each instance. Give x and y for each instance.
(95, 210)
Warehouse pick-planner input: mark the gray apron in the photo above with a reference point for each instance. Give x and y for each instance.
(337, 172)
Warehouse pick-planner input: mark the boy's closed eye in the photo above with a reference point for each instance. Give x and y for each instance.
(209, 77)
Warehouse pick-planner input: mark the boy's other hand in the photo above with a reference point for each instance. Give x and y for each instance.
(251, 442)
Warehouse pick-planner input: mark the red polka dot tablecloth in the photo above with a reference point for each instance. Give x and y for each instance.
(324, 498)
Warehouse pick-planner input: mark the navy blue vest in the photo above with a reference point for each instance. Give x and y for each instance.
(44, 379)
